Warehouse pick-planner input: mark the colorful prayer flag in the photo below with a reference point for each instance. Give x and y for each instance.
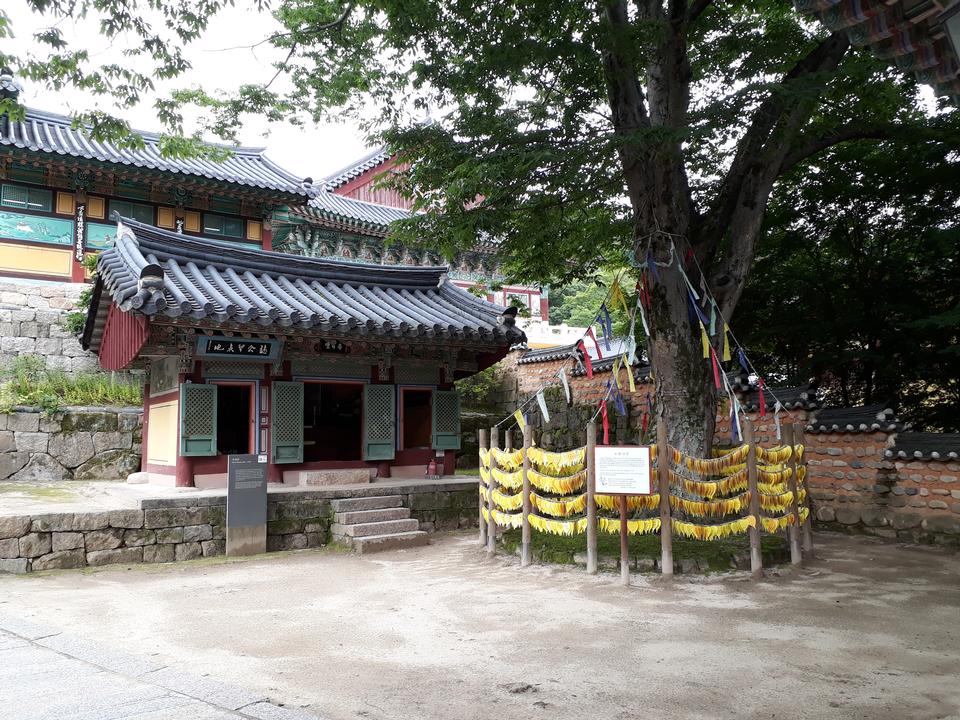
(542, 402)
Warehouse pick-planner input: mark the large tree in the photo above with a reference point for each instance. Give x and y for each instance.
(572, 132)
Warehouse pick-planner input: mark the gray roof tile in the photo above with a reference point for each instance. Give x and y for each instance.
(926, 446)
(865, 418)
(274, 291)
(54, 134)
(341, 177)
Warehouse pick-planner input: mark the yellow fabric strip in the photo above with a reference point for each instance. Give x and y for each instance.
(507, 460)
(556, 485)
(634, 527)
(726, 342)
(774, 476)
(713, 532)
(558, 527)
(771, 489)
(558, 464)
(484, 458)
(507, 502)
(710, 489)
(775, 455)
(704, 342)
(559, 507)
(634, 502)
(710, 466)
(717, 508)
(626, 364)
(771, 525)
(484, 476)
(511, 480)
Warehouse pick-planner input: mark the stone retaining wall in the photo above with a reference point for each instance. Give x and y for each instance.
(81, 443)
(32, 317)
(189, 527)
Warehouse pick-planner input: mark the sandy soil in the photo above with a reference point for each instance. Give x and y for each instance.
(869, 630)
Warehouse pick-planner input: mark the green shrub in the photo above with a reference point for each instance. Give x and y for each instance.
(28, 381)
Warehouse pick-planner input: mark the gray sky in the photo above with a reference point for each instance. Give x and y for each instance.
(221, 59)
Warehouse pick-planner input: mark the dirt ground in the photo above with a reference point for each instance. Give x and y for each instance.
(869, 630)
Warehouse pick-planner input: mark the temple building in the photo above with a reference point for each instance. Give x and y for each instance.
(349, 218)
(333, 369)
(59, 187)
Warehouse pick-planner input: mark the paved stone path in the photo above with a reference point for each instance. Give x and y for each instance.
(49, 675)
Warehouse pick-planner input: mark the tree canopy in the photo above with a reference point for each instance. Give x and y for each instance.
(574, 133)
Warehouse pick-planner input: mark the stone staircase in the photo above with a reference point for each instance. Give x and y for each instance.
(372, 524)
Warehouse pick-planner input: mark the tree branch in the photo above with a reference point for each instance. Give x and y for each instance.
(696, 9)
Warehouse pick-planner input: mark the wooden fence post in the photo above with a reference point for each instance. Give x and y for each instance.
(663, 483)
(525, 527)
(756, 557)
(793, 530)
(807, 535)
(483, 493)
(508, 439)
(491, 523)
(591, 498)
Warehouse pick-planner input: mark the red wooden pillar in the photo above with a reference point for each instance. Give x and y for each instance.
(184, 470)
(145, 425)
(267, 234)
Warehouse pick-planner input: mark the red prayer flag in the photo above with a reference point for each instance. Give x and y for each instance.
(595, 343)
(760, 398)
(586, 359)
(606, 422)
(716, 370)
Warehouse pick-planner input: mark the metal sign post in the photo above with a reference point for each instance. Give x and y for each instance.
(246, 504)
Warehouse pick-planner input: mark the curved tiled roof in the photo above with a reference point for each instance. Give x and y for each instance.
(866, 418)
(800, 397)
(911, 34)
(926, 446)
(344, 175)
(365, 217)
(267, 290)
(54, 134)
(560, 352)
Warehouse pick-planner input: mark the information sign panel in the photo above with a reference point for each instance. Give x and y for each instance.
(246, 504)
(623, 469)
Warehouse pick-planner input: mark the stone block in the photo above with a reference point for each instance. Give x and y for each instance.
(128, 421)
(14, 526)
(41, 468)
(89, 421)
(942, 524)
(874, 517)
(72, 449)
(848, 516)
(138, 536)
(158, 553)
(91, 521)
(316, 539)
(826, 514)
(197, 533)
(937, 505)
(295, 541)
(126, 519)
(905, 520)
(165, 517)
(115, 557)
(7, 442)
(23, 421)
(67, 541)
(188, 551)
(112, 440)
(110, 465)
(213, 547)
(17, 566)
(35, 544)
(10, 548)
(219, 532)
(103, 539)
(11, 462)
(285, 527)
(169, 535)
(275, 543)
(61, 560)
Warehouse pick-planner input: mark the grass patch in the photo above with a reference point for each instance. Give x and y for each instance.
(715, 554)
(55, 494)
(28, 381)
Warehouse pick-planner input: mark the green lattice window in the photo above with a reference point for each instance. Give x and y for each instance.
(223, 225)
(446, 420)
(286, 427)
(26, 198)
(198, 419)
(135, 211)
(379, 422)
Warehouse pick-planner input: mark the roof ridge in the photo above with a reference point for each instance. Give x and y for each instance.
(336, 178)
(145, 134)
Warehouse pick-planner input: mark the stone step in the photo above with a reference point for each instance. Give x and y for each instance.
(368, 516)
(367, 503)
(388, 527)
(395, 541)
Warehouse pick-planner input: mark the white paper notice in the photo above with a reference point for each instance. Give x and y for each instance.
(623, 469)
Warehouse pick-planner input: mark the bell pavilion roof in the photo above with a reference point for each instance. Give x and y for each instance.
(167, 276)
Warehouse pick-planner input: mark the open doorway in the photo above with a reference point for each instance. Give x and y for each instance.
(234, 419)
(332, 421)
(416, 416)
